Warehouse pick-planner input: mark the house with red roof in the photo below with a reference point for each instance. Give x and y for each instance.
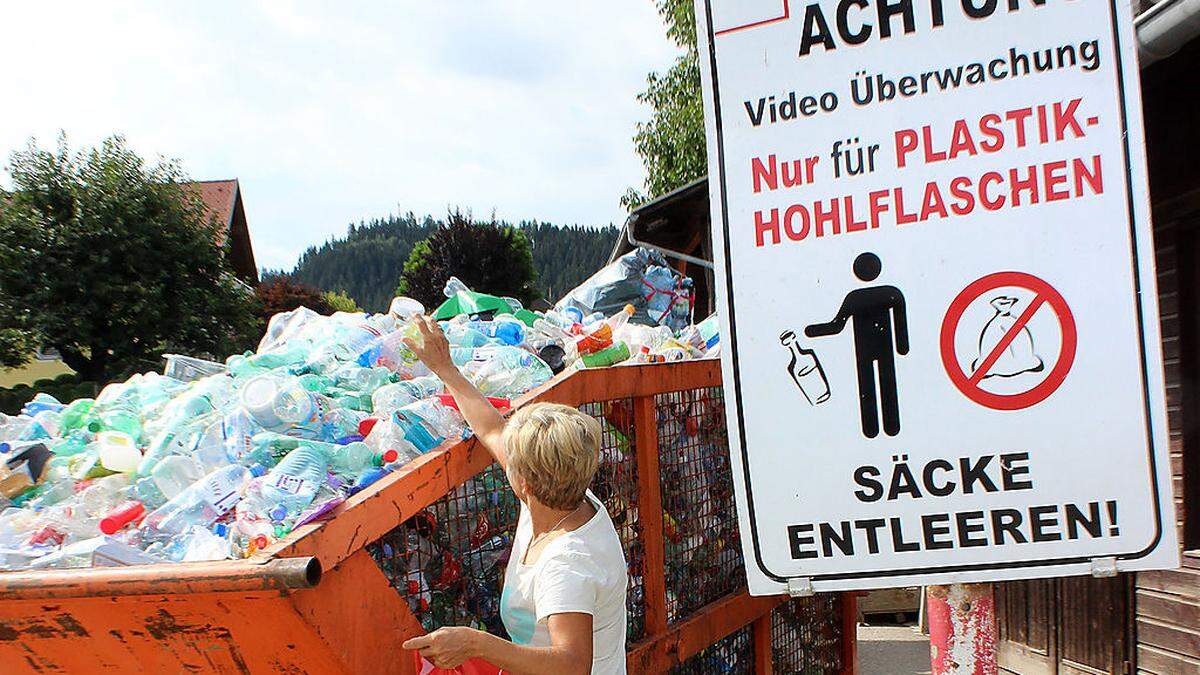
(223, 203)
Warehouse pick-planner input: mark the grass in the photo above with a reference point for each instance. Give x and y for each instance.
(34, 370)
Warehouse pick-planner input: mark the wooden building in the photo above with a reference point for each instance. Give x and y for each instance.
(223, 203)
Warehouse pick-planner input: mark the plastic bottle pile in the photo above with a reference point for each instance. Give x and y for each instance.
(215, 461)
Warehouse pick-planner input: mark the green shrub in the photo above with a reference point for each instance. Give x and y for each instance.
(63, 388)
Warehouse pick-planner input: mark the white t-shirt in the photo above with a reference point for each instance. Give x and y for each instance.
(579, 571)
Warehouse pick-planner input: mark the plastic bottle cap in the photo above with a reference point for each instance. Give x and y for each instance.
(365, 426)
(257, 470)
(221, 529)
(260, 542)
(390, 456)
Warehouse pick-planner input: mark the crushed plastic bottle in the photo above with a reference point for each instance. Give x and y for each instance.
(211, 467)
(203, 503)
(506, 372)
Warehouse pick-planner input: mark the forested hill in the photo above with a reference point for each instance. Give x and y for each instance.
(366, 263)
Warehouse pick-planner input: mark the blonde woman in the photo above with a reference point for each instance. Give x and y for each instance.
(563, 602)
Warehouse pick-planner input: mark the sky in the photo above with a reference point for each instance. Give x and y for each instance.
(331, 113)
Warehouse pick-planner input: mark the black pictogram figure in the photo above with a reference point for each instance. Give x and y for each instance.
(878, 313)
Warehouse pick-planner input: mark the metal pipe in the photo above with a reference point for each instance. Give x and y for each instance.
(962, 629)
(278, 574)
(1164, 28)
(665, 251)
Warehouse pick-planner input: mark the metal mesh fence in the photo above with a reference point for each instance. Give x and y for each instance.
(448, 560)
(734, 655)
(702, 550)
(616, 487)
(806, 635)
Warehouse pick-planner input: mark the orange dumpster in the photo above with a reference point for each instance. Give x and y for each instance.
(340, 596)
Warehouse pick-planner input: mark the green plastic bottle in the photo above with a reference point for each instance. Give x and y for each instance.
(612, 355)
(76, 415)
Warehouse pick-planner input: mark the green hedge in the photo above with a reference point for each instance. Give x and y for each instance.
(66, 388)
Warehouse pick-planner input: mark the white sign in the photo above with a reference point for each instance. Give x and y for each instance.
(935, 272)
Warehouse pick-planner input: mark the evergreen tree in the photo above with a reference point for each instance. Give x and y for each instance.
(489, 257)
(367, 261)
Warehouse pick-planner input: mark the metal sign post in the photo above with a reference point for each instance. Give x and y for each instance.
(962, 629)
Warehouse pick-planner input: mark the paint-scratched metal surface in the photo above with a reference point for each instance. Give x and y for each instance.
(257, 632)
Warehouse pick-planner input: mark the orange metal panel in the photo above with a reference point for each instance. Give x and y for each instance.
(763, 663)
(606, 384)
(654, 584)
(362, 618)
(256, 632)
(658, 653)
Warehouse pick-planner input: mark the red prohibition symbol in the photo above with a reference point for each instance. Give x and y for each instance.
(969, 383)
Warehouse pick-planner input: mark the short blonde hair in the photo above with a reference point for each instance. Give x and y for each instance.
(555, 450)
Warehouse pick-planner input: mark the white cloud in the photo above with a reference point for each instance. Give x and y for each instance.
(332, 113)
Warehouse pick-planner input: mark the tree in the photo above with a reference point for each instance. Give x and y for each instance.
(367, 261)
(16, 344)
(671, 143)
(112, 263)
(489, 257)
(282, 293)
(339, 301)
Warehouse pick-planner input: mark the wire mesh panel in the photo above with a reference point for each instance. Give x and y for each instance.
(806, 635)
(702, 550)
(733, 655)
(616, 486)
(447, 560)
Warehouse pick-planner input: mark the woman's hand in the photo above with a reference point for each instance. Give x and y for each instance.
(432, 348)
(446, 647)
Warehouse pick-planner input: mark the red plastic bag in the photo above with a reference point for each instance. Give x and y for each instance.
(472, 667)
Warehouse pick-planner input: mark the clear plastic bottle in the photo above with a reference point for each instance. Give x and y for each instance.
(42, 402)
(388, 435)
(14, 427)
(291, 486)
(616, 321)
(464, 335)
(176, 473)
(390, 398)
(359, 378)
(509, 332)
(506, 372)
(281, 404)
(354, 458)
(239, 428)
(427, 423)
(76, 415)
(203, 503)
